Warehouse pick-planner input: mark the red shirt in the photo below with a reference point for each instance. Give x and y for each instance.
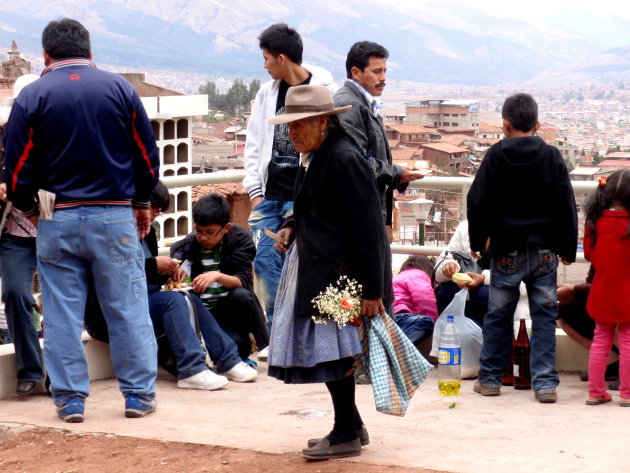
(609, 299)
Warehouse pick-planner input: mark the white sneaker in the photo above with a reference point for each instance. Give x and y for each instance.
(241, 373)
(204, 380)
(263, 354)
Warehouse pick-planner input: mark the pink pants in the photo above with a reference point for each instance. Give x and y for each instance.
(598, 358)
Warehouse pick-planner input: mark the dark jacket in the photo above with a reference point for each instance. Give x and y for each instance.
(155, 280)
(369, 131)
(82, 134)
(338, 225)
(522, 196)
(237, 255)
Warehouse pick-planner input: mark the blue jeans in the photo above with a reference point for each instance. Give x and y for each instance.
(268, 262)
(537, 268)
(171, 318)
(17, 265)
(98, 243)
(416, 327)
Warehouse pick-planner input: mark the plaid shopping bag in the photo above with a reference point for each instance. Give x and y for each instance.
(393, 363)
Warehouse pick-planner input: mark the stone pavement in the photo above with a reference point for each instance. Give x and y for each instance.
(511, 433)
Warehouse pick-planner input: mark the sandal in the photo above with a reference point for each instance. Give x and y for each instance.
(624, 402)
(604, 398)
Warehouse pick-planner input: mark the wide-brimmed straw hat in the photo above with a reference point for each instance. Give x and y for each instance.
(304, 101)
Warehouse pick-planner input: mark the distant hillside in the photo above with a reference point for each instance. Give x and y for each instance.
(434, 43)
(608, 67)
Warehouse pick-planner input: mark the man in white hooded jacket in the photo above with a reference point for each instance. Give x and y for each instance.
(271, 161)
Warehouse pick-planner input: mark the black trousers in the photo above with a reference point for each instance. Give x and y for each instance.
(239, 314)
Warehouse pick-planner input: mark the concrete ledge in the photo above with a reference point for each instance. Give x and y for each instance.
(97, 354)
(570, 357)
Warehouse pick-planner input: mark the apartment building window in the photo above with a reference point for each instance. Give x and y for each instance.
(436, 123)
(455, 124)
(445, 115)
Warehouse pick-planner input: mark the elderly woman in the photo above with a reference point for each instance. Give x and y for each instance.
(337, 230)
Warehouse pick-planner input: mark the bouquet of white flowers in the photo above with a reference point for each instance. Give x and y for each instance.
(340, 302)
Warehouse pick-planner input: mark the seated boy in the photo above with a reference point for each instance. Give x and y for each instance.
(218, 258)
(179, 348)
(523, 201)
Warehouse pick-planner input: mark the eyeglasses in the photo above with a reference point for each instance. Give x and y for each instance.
(207, 234)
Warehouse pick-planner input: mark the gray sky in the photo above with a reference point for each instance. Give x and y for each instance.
(605, 20)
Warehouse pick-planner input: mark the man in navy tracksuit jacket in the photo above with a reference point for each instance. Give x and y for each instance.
(83, 135)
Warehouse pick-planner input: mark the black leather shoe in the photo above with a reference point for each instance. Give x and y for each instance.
(324, 451)
(364, 438)
(25, 387)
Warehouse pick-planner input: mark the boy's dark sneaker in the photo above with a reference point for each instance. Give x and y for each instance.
(139, 406)
(614, 385)
(72, 411)
(485, 390)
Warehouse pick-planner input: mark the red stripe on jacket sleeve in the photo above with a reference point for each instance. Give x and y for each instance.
(22, 160)
(140, 144)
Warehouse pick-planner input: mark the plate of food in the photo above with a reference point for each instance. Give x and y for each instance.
(183, 286)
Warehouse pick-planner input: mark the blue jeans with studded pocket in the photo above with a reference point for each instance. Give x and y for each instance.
(99, 243)
(537, 269)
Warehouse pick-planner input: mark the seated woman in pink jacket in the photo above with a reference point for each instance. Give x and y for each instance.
(414, 304)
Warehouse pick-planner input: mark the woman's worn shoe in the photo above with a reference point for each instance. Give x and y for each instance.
(324, 451)
(364, 438)
(624, 402)
(596, 401)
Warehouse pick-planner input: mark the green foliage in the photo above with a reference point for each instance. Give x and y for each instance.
(236, 101)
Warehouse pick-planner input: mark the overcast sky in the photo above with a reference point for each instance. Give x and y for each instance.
(606, 20)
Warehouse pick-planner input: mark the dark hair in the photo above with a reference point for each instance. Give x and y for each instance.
(280, 39)
(420, 262)
(521, 110)
(211, 209)
(360, 54)
(616, 192)
(66, 38)
(160, 197)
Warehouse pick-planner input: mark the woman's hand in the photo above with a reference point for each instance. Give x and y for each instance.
(372, 307)
(166, 265)
(449, 268)
(477, 280)
(287, 238)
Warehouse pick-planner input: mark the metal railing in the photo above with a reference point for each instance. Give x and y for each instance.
(459, 183)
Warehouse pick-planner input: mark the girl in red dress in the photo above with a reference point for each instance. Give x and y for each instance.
(607, 247)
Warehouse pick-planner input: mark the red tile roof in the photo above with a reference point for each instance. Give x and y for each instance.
(406, 154)
(409, 128)
(614, 163)
(226, 189)
(444, 147)
(487, 127)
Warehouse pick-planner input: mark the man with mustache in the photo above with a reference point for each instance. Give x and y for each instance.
(366, 71)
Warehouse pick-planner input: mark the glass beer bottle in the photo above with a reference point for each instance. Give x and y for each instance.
(508, 377)
(522, 374)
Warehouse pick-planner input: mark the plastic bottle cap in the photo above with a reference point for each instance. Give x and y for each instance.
(450, 317)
